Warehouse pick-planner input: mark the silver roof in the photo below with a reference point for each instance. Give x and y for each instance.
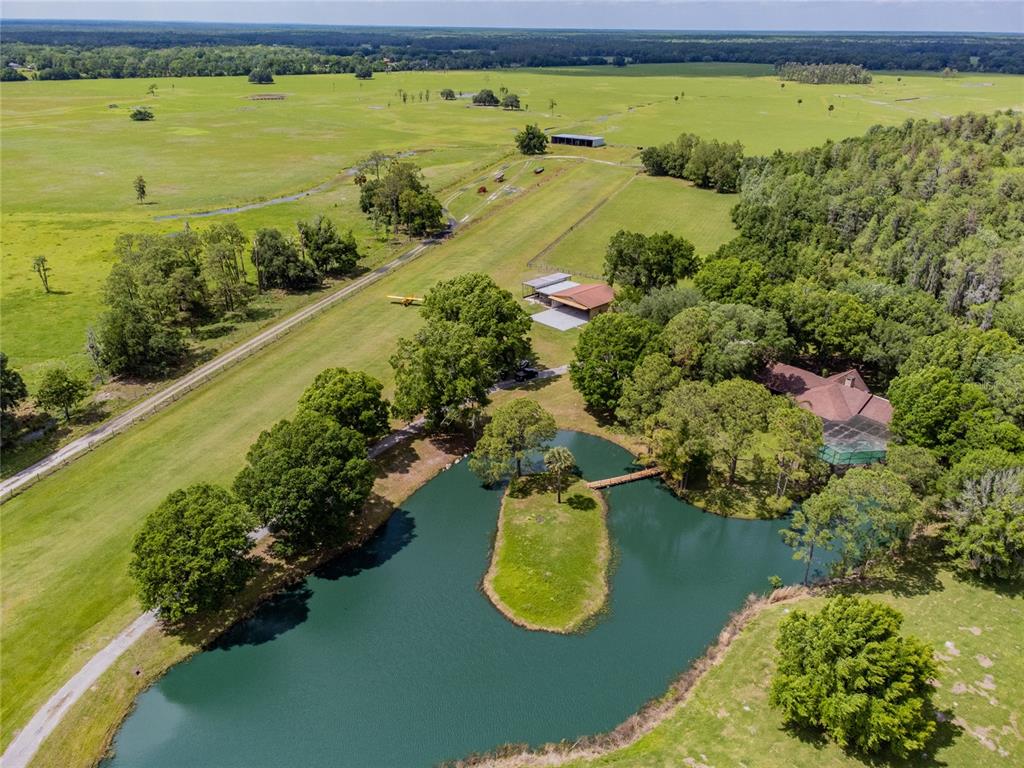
(545, 280)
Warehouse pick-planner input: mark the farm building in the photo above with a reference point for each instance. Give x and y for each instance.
(572, 304)
(577, 140)
(856, 422)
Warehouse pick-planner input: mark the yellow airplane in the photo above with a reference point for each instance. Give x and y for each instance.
(405, 301)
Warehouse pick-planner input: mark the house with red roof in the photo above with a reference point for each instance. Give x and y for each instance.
(856, 421)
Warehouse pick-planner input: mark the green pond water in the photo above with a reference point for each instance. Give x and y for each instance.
(391, 656)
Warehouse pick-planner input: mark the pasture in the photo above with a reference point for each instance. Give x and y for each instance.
(69, 152)
(68, 161)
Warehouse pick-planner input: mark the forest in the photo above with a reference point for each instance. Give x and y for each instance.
(123, 49)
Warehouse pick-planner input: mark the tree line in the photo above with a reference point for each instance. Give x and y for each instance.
(709, 164)
(308, 477)
(113, 49)
(820, 74)
(398, 200)
(161, 287)
(677, 364)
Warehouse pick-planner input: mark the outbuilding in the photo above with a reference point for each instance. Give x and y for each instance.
(577, 140)
(593, 298)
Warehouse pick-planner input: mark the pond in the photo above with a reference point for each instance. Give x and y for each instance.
(391, 656)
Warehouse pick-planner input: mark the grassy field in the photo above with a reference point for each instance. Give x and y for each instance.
(65, 543)
(549, 565)
(210, 147)
(65, 546)
(975, 632)
(647, 204)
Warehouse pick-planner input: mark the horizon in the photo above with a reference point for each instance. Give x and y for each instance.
(983, 17)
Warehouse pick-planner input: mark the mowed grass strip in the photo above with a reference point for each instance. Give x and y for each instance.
(65, 548)
(550, 561)
(975, 632)
(648, 205)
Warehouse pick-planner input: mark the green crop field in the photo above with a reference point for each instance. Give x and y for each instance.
(727, 720)
(68, 159)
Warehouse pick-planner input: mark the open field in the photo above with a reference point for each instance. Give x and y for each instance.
(68, 158)
(65, 545)
(549, 565)
(727, 720)
(648, 205)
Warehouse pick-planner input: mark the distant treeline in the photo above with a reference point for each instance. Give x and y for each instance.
(818, 74)
(112, 49)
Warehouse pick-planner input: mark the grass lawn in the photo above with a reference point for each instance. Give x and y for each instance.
(550, 561)
(975, 631)
(92, 721)
(648, 205)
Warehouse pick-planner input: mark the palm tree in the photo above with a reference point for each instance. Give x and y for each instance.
(559, 461)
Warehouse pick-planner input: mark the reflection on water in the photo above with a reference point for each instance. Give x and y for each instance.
(391, 656)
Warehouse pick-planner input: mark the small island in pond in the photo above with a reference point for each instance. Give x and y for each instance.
(549, 566)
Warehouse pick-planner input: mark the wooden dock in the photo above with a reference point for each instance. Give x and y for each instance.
(608, 482)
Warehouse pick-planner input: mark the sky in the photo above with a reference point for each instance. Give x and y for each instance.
(762, 15)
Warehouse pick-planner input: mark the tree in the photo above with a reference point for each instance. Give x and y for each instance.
(140, 189)
(644, 392)
(352, 398)
(737, 410)
(306, 478)
(848, 672)
(916, 466)
(141, 114)
(679, 432)
(720, 341)
(192, 552)
(261, 76)
(559, 462)
(532, 140)
(448, 94)
(42, 268)
(864, 514)
(401, 200)
(662, 304)
(133, 342)
(12, 392)
(61, 389)
(647, 262)
(510, 101)
(485, 98)
(443, 373)
(934, 409)
(986, 531)
(515, 430)
(279, 263)
(363, 70)
(491, 313)
(798, 435)
(12, 386)
(223, 249)
(551, 105)
(329, 252)
(608, 349)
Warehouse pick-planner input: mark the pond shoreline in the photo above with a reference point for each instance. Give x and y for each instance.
(579, 624)
(651, 714)
(64, 746)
